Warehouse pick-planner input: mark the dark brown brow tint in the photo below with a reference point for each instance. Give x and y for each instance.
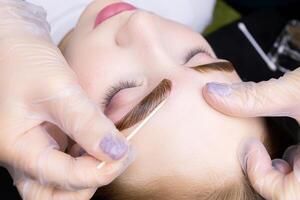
(146, 106)
(217, 66)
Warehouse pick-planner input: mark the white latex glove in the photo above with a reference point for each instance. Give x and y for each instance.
(277, 179)
(30, 189)
(37, 85)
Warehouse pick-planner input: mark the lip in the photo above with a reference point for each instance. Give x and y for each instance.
(112, 10)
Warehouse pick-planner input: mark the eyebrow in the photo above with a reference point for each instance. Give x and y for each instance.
(160, 93)
(224, 66)
(146, 106)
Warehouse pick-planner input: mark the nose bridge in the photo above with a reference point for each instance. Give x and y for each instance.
(139, 29)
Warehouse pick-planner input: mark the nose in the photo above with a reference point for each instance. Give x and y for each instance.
(140, 29)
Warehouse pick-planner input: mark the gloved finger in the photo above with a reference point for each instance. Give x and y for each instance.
(36, 154)
(296, 167)
(76, 151)
(290, 154)
(282, 166)
(257, 164)
(32, 190)
(85, 123)
(247, 99)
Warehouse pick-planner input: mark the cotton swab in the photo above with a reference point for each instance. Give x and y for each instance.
(139, 127)
(251, 39)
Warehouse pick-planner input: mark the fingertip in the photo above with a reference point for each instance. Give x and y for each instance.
(77, 151)
(125, 161)
(296, 163)
(218, 89)
(281, 166)
(292, 157)
(224, 98)
(254, 158)
(114, 146)
(258, 167)
(212, 92)
(244, 150)
(290, 154)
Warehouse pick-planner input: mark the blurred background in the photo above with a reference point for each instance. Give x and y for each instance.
(267, 21)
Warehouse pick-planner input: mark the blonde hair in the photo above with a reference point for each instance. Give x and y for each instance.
(236, 191)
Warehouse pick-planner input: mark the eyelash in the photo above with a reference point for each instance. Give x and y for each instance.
(194, 52)
(113, 90)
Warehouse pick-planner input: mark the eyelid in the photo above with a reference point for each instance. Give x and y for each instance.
(113, 90)
(200, 59)
(123, 102)
(194, 52)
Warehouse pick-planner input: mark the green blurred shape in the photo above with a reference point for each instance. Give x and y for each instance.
(223, 15)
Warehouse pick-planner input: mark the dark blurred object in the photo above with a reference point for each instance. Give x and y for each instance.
(285, 52)
(249, 6)
(7, 190)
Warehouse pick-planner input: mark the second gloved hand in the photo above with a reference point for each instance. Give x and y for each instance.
(273, 179)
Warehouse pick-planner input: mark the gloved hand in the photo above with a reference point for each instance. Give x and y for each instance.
(31, 189)
(280, 178)
(37, 85)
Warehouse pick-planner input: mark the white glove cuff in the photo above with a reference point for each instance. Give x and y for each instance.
(20, 17)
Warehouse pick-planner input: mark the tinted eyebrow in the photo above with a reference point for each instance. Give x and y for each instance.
(146, 106)
(217, 66)
(160, 93)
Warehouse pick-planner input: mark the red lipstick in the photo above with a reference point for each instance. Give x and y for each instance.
(112, 10)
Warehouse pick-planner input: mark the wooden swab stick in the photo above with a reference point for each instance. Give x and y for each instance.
(139, 127)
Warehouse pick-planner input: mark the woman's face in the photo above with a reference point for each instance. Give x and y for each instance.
(186, 140)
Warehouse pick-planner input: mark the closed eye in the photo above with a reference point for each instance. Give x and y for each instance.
(113, 90)
(193, 52)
